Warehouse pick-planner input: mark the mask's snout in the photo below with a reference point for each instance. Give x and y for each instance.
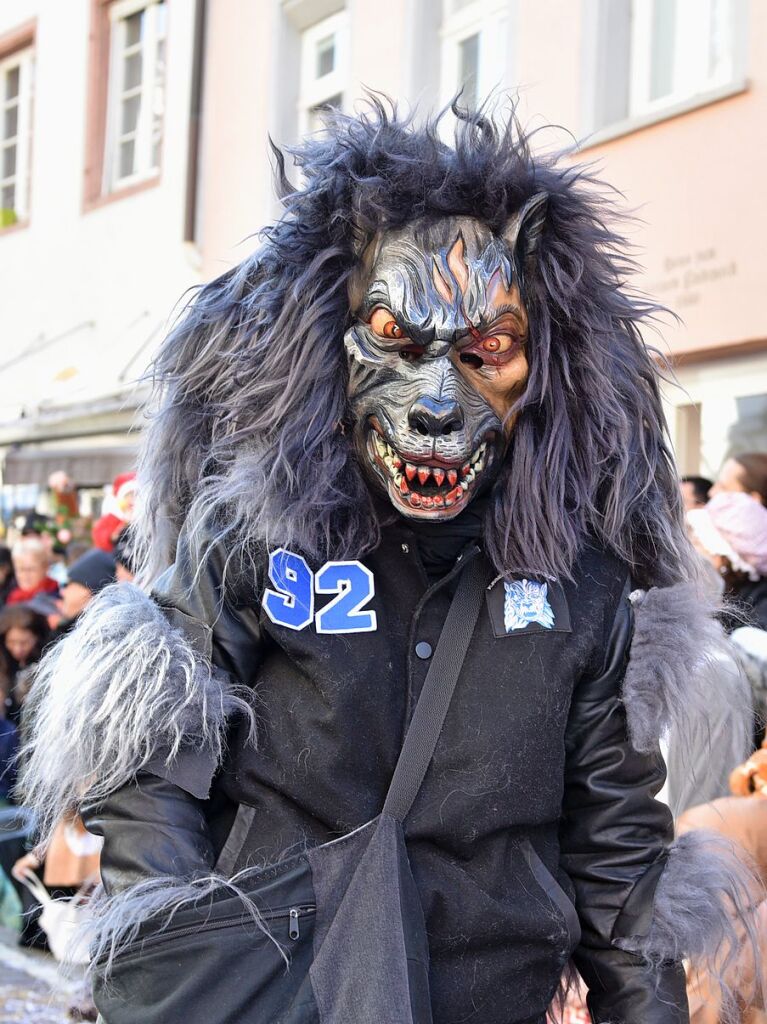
(435, 417)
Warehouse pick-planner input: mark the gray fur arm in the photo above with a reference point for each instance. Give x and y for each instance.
(143, 684)
(124, 689)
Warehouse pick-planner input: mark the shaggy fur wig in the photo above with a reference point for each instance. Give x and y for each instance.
(250, 424)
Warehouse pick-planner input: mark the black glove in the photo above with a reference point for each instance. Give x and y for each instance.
(151, 829)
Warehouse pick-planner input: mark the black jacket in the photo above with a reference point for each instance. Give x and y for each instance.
(537, 819)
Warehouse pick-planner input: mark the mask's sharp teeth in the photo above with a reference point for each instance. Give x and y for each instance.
(439, 475)
(415, 500)
(449, 500)
(452, 477)
(470, 477)
(464, 486)
(401, 482)
(396, 461)
(423, 473)
(380, 444)
(439, 501)
(426, 501)
(465, 469)
(457, 493)
(410, 471)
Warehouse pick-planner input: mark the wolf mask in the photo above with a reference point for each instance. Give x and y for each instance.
(437, 357)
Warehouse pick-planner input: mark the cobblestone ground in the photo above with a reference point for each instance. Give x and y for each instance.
(31, 989)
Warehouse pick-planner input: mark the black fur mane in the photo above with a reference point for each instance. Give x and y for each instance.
(249, 431)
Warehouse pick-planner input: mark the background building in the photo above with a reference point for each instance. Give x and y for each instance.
(135, 164)
(96, 247)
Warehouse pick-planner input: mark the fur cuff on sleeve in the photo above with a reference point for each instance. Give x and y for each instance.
(122, 688)
(705, 911)
(681, 674)
(705, 888)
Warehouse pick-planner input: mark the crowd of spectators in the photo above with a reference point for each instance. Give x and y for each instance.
(44, 588)
(36, 610)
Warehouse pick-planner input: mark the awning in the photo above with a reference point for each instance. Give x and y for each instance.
(77, 366)
(88, 467)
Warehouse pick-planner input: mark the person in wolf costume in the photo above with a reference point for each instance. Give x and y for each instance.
(433, 358)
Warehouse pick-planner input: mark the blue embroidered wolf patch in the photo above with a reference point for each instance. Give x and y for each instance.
(526, 602)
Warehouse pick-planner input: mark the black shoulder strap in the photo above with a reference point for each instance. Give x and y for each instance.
(438, 688)
(428, 717)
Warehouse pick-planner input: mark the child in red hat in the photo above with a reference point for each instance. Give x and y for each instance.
(108, 528)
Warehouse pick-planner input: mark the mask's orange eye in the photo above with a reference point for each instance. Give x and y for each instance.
(384, 325)
(496, 344)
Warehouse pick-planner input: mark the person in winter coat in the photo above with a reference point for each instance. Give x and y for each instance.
(743, 474)
(9, 745)
(7, 579)
(24, 634)
(86, 577)
(31, 559)
(109, 526)
(731, 532)
(430, 373)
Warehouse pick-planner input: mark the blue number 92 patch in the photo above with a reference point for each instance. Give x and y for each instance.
(291, 602)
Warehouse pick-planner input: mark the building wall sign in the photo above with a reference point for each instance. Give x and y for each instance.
(688, 276)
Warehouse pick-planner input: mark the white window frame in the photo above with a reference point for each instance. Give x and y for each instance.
(23, 60)
(314, 91)
(145, 169)
(691, 86)
(689, 76)
(487, 19)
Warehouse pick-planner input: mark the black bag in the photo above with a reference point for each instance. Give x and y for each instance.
(346, 913)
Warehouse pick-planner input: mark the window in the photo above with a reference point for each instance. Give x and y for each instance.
(15, 135)
(324, 70)
(655, 54)
(136, 92)
(473, 49)
(722, 411)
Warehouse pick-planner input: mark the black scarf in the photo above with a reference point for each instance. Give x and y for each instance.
(440, 543)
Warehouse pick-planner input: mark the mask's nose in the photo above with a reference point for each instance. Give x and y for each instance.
(435, 417)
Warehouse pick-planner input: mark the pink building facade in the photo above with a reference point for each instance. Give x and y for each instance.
(134, 162)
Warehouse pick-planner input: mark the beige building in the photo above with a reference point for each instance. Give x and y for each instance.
(138, 132)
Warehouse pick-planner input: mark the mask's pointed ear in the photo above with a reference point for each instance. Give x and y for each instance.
(523, 229)
(282, 185)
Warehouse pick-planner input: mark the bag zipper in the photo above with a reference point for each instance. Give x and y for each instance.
(292, 913)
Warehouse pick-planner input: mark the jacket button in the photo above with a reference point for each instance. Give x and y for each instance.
(423, 650)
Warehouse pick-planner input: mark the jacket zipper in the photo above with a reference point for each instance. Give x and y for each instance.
(293, 914)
